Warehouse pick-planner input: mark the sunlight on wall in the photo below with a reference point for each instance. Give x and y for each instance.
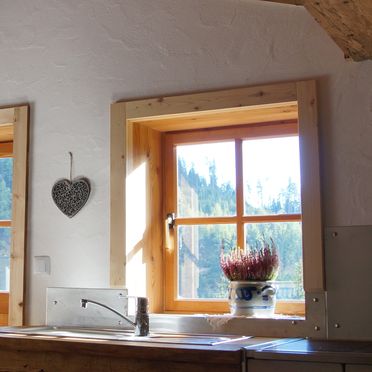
(135, 229)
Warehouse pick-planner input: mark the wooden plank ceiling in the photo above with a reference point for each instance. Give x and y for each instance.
(348, 22)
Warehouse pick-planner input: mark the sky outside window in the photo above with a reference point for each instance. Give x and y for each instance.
(271, 176)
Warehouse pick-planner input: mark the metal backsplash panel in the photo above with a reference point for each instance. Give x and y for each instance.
(63, 307)
(348, 253)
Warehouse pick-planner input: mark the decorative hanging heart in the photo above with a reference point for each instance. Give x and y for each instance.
(71, 196)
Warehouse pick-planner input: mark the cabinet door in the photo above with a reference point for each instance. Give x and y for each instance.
(285, 366)
(358, 368)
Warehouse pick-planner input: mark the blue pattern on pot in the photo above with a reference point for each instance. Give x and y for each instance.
(250, 298)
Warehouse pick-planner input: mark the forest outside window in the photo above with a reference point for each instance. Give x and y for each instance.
(237, 188)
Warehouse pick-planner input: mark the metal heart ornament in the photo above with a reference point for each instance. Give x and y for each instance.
(71, 196)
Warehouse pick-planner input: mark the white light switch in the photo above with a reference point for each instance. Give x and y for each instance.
(42, 265)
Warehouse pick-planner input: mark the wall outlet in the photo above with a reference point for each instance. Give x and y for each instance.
(42, 265)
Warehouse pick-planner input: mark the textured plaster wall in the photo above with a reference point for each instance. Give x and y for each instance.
(70, 59)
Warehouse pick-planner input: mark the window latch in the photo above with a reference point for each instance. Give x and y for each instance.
(171, 220)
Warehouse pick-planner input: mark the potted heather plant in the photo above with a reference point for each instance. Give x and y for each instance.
(251, 272)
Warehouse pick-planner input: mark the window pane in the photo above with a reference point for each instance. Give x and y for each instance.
(271, 176)
(288, 239)
(199, 272)
(206, 180)
(6, 174)
(5, 236)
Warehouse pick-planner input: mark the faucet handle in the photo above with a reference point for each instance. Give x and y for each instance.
(142, 317)
(142, 304)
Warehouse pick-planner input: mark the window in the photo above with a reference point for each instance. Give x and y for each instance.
(6, 178)
(239, 186)
(140, 150)
(13, 176)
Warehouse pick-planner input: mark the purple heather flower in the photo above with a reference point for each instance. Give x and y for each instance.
(260, 264)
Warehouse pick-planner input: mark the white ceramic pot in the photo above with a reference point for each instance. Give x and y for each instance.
(255, 299)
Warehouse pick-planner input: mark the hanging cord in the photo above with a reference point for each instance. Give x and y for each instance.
(70, 165)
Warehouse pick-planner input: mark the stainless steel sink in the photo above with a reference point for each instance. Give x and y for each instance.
(122, 335)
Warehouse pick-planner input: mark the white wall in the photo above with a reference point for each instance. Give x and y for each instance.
(71, 58)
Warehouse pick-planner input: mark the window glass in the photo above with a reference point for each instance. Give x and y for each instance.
(271, 176)
(199, 247)
(288, 240)
(206, 180)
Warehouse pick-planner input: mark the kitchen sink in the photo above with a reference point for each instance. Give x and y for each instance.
(123, 335)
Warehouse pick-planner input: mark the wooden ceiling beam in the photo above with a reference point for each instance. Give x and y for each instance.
(348, 22)
(290, 2)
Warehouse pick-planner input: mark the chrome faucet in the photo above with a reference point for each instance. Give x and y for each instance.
(141, 322)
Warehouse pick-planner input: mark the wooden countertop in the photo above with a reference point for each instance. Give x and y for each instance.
(358, 352)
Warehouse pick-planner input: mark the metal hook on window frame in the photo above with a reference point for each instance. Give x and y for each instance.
(171, 220)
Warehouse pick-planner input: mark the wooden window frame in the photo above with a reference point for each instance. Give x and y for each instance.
(137, 131)
(238, 134)
(16, 121)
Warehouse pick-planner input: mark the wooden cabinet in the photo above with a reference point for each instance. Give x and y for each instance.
(31, 354)
(254, 365)
(358, 368)
(60, 362)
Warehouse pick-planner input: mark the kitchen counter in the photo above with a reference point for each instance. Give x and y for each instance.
(59, 354)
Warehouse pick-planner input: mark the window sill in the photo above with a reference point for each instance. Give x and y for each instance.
(286, 308)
